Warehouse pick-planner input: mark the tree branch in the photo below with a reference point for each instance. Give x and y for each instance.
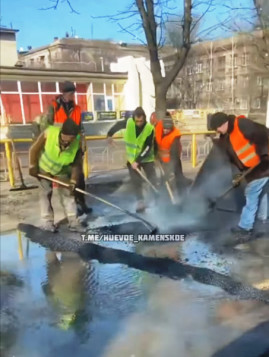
(55, 6)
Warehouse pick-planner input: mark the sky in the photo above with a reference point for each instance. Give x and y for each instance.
(39, 27)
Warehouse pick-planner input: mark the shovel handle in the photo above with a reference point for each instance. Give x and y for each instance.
(169, 190)
(147, 180)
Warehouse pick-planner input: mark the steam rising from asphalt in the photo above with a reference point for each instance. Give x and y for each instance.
(181, 320)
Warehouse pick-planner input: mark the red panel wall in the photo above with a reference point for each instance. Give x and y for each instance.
(11, 103)
(31, 106)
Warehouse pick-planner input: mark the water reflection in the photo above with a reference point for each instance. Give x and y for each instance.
(65, 291)
(10, 284)
(64, 307)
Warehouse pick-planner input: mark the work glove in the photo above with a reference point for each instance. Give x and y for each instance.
(236, 180)
(33, 171)
(72, 186)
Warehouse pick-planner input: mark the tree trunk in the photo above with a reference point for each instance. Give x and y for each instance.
(160, 98)
(267, 113)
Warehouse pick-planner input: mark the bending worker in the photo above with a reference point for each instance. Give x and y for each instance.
(169, 152)
(247, 146)
(139, 140)
(57, 153)
(64, 107)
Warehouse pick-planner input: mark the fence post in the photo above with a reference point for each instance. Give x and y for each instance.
(9, 164)
(193, 151)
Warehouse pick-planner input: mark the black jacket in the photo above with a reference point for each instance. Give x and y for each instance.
(258, 135)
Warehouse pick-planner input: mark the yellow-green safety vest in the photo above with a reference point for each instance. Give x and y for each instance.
(52, 160)
(134, 145)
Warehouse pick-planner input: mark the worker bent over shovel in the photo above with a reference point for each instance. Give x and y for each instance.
(57, 153)
(139, 141)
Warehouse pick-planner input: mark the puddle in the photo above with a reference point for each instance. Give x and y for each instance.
(56, 305)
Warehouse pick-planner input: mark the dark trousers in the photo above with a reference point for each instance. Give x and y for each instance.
(136, 179)
(79, 197)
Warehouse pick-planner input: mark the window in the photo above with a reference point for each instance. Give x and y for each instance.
(189, 70)
(245, 58)
(82, 102)
(99, 102)
(81, 87)
(49, 87)
(259, 81)
(243, 103)
(245, 82)
(108, 89)
(220, 85)
(256, 103)
(199, 68)
(12, 106)
(109, 103)
(208, 87)
(30, 87)
(221, 62)
(31, 106)
(118, 87)
(9, 86)
(98, 88)
(235, 60)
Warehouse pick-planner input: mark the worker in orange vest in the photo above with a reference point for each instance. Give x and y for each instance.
(169, 150)
(247, 147)
(64, 107)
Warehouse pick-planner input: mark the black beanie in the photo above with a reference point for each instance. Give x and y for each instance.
(70, 127)
(139, 112)
(218, 119)
(168, 122)
(68, 87)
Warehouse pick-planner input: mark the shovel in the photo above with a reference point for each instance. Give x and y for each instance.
(168, 187)
(149, 226)
(22, 187)
(147, 180)
(236, 182)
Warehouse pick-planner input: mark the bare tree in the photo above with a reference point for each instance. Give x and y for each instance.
(153, 15)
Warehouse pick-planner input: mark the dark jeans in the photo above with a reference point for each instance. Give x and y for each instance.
(136, 179)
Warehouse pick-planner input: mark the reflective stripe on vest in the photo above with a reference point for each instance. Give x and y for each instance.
(134, 145)
(165, 142)
(245, 151)
(60, 115)
(53, 159)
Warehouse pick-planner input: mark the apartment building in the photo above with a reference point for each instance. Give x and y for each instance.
(230, 74)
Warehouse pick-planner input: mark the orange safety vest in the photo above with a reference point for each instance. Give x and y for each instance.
(60, 115)
(165, 141)
(245, 151)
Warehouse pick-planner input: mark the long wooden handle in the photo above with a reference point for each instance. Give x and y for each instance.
(146, 223)
(169, 190)
(147, 180)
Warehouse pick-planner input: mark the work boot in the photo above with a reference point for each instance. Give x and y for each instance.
(74, 225)
(241, 235)
(140, 206)
(48, 226)
(82, 208)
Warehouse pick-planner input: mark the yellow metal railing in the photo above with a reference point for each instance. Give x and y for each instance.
(86, 167)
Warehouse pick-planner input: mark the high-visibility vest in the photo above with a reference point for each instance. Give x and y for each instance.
(165, 142)
(52, 160)
(134, 145)
(245, 151)
(60, 115)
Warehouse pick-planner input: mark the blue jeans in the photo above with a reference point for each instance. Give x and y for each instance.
(254, 206)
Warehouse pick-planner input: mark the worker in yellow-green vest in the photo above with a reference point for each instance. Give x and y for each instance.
(57, 153)
(139, 141)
